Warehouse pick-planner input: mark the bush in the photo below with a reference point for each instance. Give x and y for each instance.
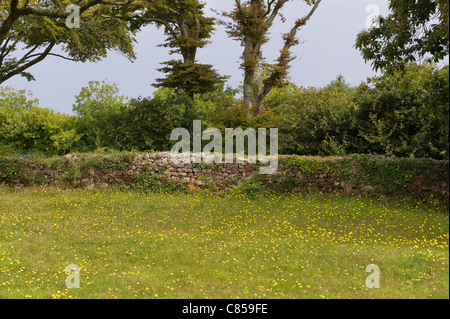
(402, 115)
(252, 187)
(315, 121)
(405, 114)
(27, 128)
(101, 116)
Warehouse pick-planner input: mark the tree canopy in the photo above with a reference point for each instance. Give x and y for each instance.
(250, 23)
(188, 29)
(415, 30)
(31, 29)
(185, 24)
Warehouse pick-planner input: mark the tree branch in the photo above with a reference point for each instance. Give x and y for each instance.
(54, 54)
(275, 12)
(29, 64)
(285, 57)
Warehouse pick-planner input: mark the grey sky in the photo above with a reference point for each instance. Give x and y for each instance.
(326, 50)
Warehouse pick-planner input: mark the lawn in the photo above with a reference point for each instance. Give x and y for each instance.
(128, 244)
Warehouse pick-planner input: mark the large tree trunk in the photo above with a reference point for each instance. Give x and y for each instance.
(248, 93)
(253, 20)
(252, 73)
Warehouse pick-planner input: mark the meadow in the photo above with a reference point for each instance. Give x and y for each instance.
(129, 244)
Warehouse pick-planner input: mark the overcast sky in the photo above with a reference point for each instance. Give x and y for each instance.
(326, 51)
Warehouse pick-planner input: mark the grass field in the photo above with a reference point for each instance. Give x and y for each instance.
(133, 245)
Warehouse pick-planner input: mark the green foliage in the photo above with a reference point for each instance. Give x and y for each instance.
(159, 184)
(435, 119)
(145, 182)
(250, 23)
(12, 104)
(29, 30)
(252, 187)
(9, 168)
(71, 172)
(390, 175)
(188, 29)
(413, 30)
(185, 24)
(315, 121)
(6, 150)
(401, 114)
(153, 119)
(284, 184)
(130, 155)
(192, 77)
(309, 165)
(100, 109)
(405, 114)
(25, 127)
(14, 101)
(229, 112)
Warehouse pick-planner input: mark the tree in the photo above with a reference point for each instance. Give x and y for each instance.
(406, 113)
(187, 29)
(40, 25)
(251, 21)
(185, 24)
(191, 77)
(414, 30)
(99, 110)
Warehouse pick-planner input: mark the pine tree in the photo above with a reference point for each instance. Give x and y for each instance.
(187, 29)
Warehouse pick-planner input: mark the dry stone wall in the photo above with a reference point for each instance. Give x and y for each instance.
(156, 171)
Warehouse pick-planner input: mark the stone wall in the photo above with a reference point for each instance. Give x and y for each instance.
(357, 174)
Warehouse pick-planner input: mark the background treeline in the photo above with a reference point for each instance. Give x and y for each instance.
(404, 114)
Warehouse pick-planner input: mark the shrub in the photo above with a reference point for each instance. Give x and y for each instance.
(252, 187)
